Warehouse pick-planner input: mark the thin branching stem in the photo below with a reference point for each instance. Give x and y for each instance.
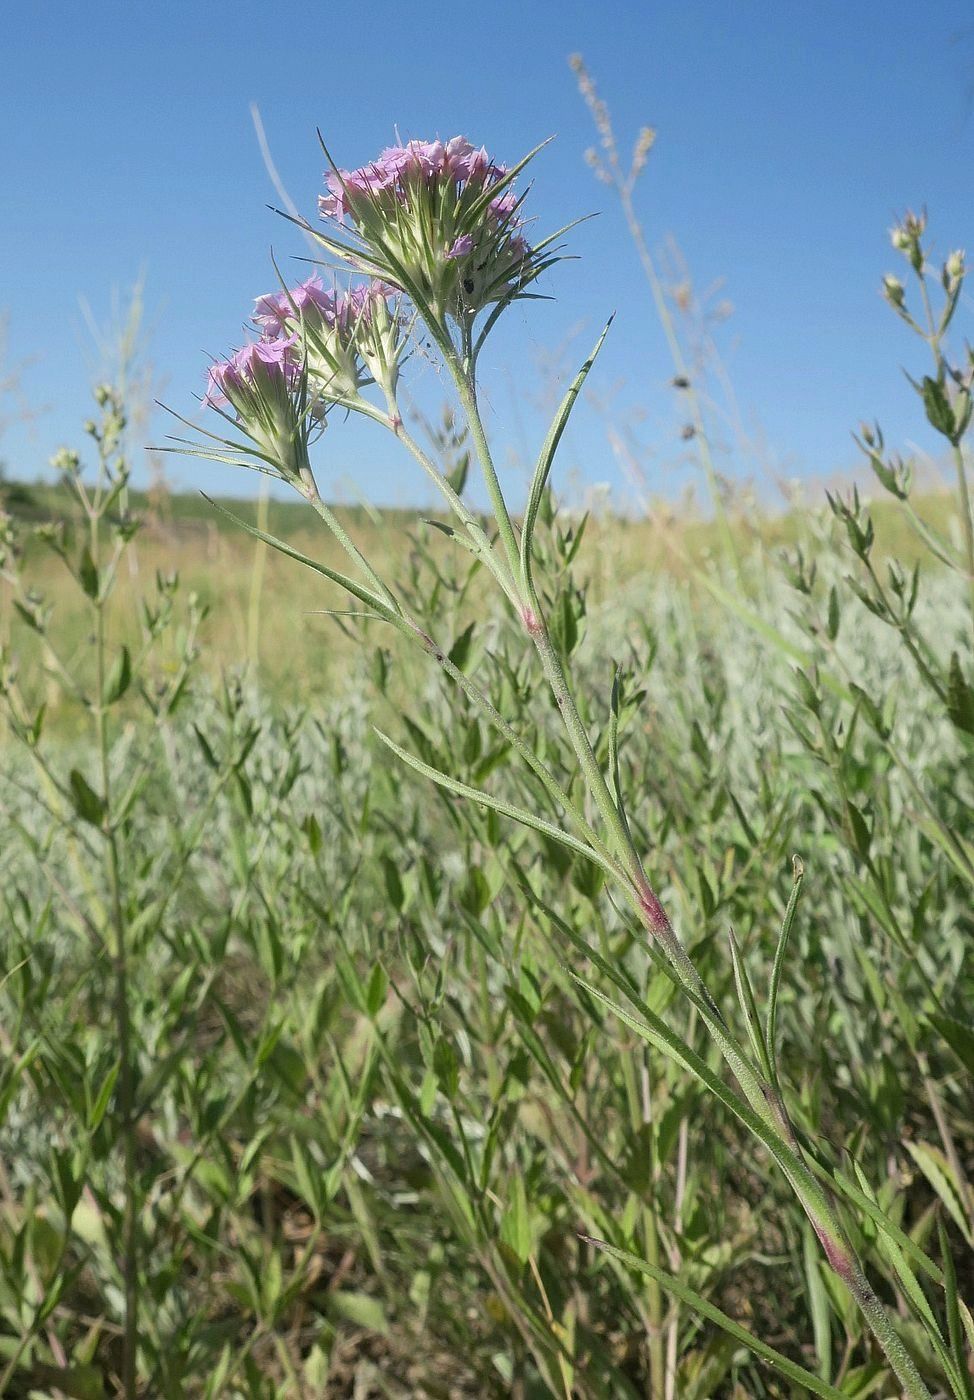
(126, 1074)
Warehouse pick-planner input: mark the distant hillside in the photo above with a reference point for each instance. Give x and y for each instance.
(40, 501)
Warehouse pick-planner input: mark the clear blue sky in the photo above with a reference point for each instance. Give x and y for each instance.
(789, 136)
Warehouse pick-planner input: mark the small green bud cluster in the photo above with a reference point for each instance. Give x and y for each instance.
(907, 237)
(66, 460)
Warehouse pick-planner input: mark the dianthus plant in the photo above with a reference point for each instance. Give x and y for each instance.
(434, 236)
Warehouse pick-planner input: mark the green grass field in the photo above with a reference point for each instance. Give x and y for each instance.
(268, 616)
(374, 1114)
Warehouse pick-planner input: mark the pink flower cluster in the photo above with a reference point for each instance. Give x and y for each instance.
(275, 360)
(398, 166)
(313, 302)
(252, 368)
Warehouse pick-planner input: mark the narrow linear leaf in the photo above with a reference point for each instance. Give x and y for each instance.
(357, 590)
(815, 1385)
(818, 1301)
(964, 1385)
(749, 1007)
(940, 1174)
(845, 1186)
(517, 814)
(779, 963)
(547, 455)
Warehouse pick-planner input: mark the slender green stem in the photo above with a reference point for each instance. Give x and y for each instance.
(595, 779)
(550, 661)
(310, 489)
(467, 390)
(967, 518)
(123, 1025)
(475, 531)
(888, 1338)
(934, 339)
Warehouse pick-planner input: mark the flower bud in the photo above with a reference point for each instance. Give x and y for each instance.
(894, 291)
(265, 386)
(955, 265)
(906, 238)
(65, 460)
(50, 532)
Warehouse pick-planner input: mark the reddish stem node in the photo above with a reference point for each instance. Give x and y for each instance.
(653, 913)
(531, 623)
(838, 1256)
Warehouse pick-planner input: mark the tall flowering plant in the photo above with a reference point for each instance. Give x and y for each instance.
(434, 233)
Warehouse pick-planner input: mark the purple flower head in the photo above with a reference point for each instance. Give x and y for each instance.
(274, 310)
(258, 366)
(461, 246)
(502, 208)
(423, 158)
(356, 302)
(461, 160)
(436, 219)
(456, 160)
(349, 187)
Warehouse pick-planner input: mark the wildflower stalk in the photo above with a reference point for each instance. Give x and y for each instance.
(479, 541)
(757, 1090)
(639, 889)
(120, 951)
(309, 488)
(532, 615)
(611, 171)
(465, 380)
(934, 338)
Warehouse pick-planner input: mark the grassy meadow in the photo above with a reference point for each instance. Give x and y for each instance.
(267, 616)
(376, 1113)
